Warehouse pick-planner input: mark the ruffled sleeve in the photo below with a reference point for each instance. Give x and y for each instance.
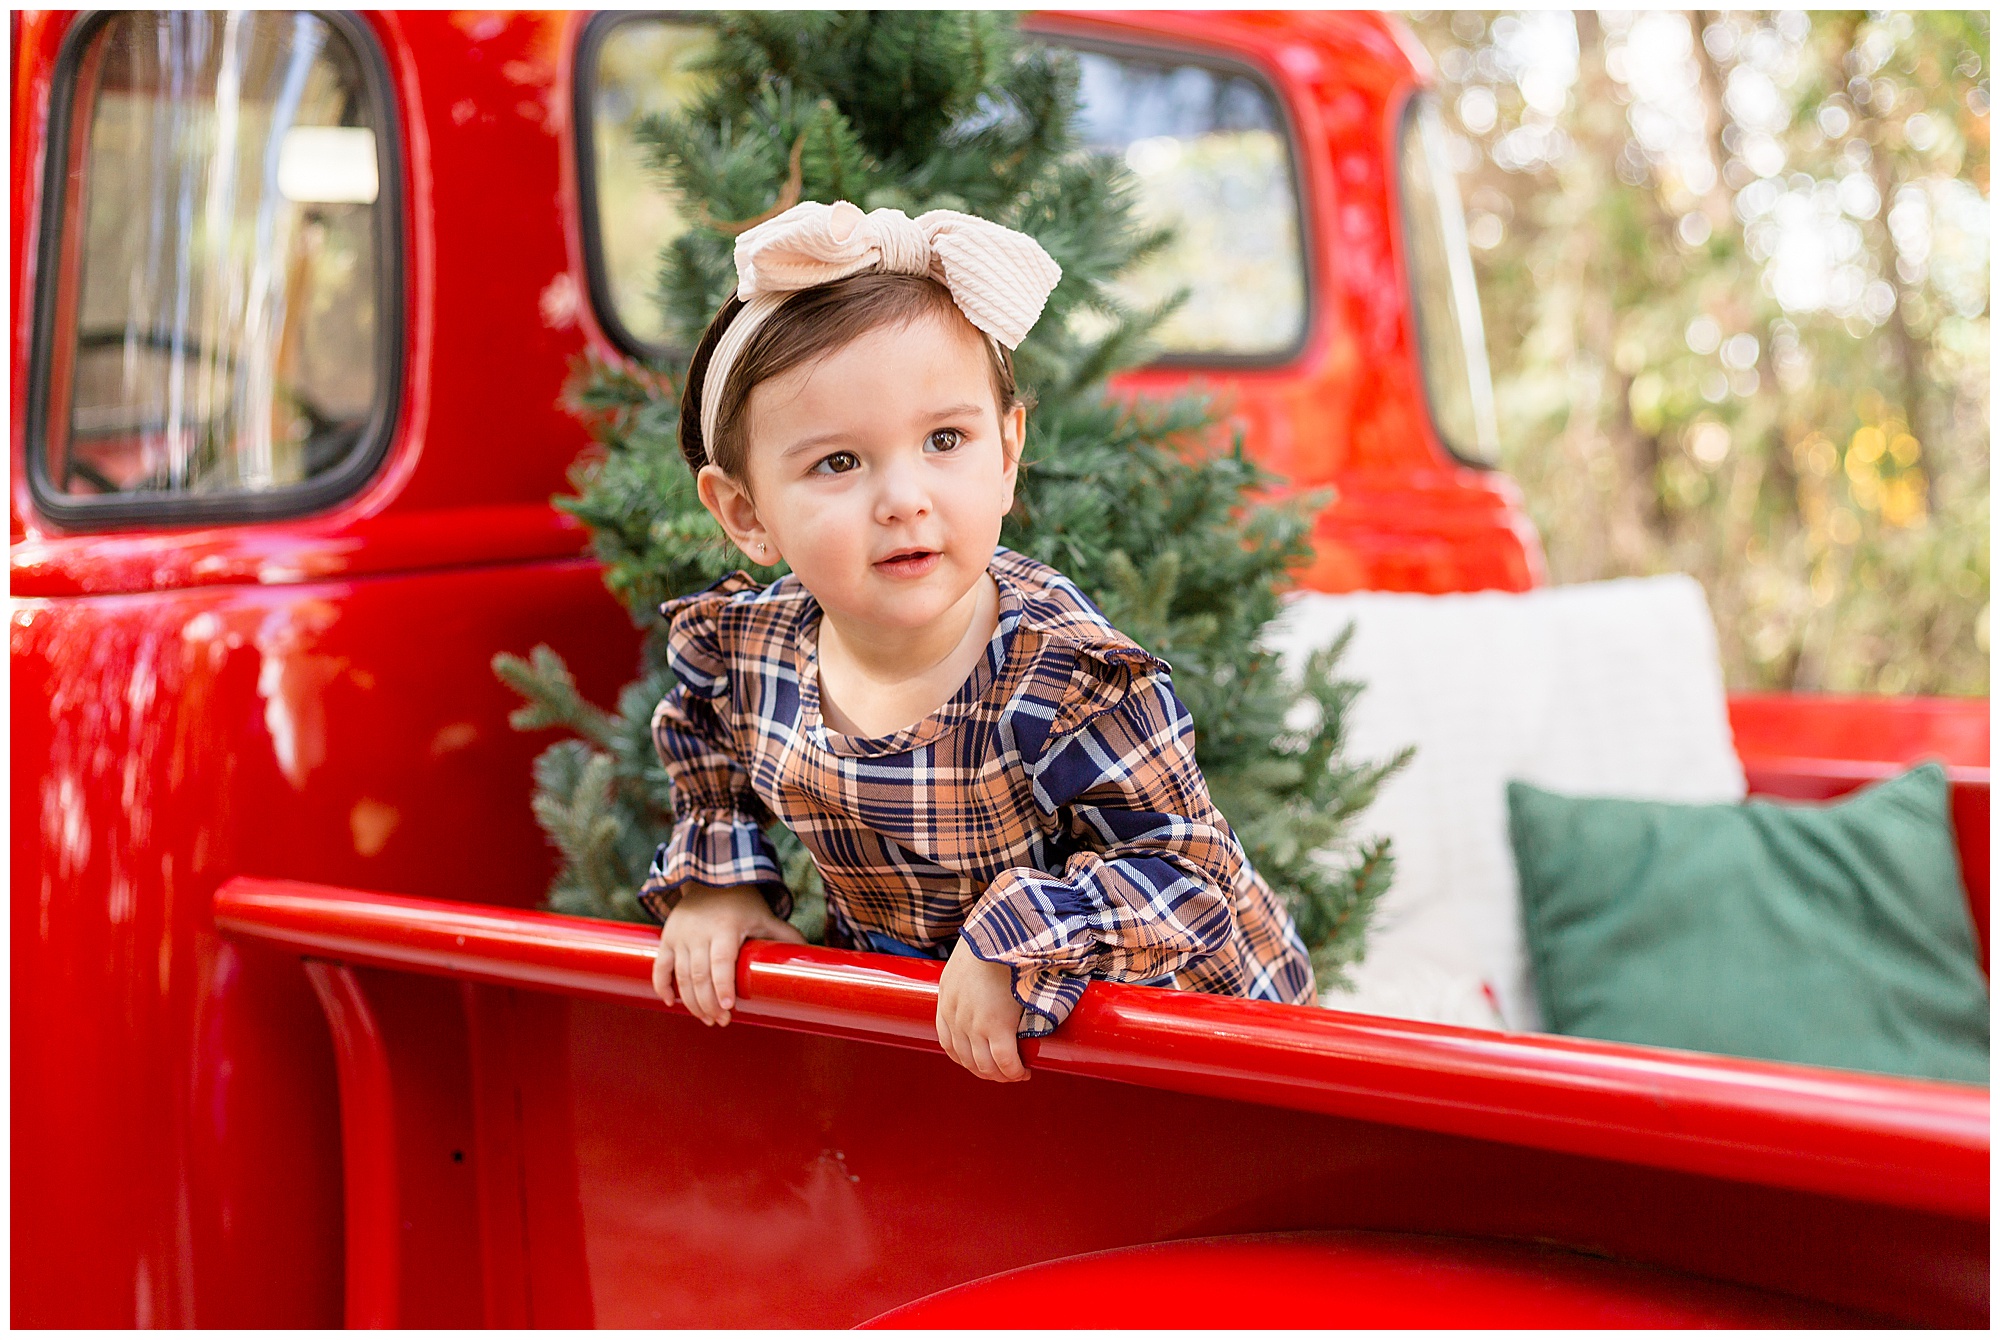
(718, 834)
(1147, 888)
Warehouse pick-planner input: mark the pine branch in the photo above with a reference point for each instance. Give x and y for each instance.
(544, 680)
(1345, 940)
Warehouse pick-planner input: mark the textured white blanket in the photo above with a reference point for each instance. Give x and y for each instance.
(1607, 689)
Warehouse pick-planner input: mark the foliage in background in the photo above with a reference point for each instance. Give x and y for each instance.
(1734, 271)
(1136, 503)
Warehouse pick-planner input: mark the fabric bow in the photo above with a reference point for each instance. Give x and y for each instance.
(999, 278)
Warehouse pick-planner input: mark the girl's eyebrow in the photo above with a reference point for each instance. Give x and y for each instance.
(810, 443)
(957, 411)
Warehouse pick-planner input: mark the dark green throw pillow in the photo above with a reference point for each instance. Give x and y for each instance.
(1831, 934)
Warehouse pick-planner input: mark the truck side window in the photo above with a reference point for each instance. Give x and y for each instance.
(1207, 142)
(1444, 296)
(218, 309)
(1209, 147)
(631, 67)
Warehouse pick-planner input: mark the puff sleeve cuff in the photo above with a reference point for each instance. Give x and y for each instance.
(1149, 891)
(718, 834)
(718, 849)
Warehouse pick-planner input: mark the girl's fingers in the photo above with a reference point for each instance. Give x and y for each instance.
(1007, 1056)
(948, 1037)
(663, 971)
(688, 968)
(705, 985)
(956, 1044)
(982, 1058)
(722, 970)
(682, 985)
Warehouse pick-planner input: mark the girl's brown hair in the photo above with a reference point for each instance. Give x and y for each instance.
(811, 323)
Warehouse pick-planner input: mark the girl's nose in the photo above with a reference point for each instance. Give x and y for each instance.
(903, 494)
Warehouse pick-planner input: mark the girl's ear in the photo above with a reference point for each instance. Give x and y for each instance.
(1013, 436)
(730, 504)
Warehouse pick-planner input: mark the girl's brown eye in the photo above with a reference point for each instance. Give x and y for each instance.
(837, 464)
(945, 439)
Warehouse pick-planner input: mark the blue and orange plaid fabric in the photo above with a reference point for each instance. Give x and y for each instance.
(1051, 812)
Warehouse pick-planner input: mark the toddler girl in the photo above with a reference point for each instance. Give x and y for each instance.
(983, 769)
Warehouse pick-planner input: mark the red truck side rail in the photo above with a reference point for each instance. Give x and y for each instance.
(1883, 1140)
(1917, 1144)
(1898, 1168)
(1916, 1151)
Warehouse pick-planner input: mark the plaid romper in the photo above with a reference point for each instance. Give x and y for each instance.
(1051, 812)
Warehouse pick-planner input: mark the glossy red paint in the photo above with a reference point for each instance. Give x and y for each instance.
(1319, 1280)
(1913, 1143)
(160, 744)
(1347, 414)
(492, 321)
(305, 551)
(368, 1145)
(812, 1175)
(284, 698)
(1862, 738)
(311, 700)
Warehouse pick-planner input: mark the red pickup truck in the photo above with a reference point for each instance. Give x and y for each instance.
(295, 296)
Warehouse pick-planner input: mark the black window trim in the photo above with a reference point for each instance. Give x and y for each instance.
(1412, 104)
(597, 275)
(1175, 52)
(158, 509)
(599, 27)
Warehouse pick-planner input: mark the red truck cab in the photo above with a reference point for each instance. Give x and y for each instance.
(291, 1046)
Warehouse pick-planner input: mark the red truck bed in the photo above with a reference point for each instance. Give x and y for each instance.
(825, 1163)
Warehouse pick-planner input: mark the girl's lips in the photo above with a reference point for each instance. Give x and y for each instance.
(909, 565)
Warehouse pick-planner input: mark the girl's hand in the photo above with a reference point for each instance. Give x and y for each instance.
(978, 1016)
(698, 947)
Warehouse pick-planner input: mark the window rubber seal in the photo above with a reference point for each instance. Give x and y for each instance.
(597, 274)
(1169, 51)
(163, 510)
(1405, 221)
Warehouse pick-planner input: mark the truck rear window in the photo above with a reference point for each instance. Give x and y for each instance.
(1451, 338)
(632, 67)
(1208, 145)
(218, 328)
(1207, 142)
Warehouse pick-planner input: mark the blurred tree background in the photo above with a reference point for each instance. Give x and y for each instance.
(1734, 268)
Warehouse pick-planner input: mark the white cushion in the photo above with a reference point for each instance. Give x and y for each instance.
(1604, 689)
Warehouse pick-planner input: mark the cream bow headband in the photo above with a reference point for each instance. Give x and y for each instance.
(999, 278)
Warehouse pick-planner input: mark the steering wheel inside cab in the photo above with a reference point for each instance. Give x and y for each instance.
(328, 440)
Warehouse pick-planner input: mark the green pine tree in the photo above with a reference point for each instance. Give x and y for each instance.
(1134, 502)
